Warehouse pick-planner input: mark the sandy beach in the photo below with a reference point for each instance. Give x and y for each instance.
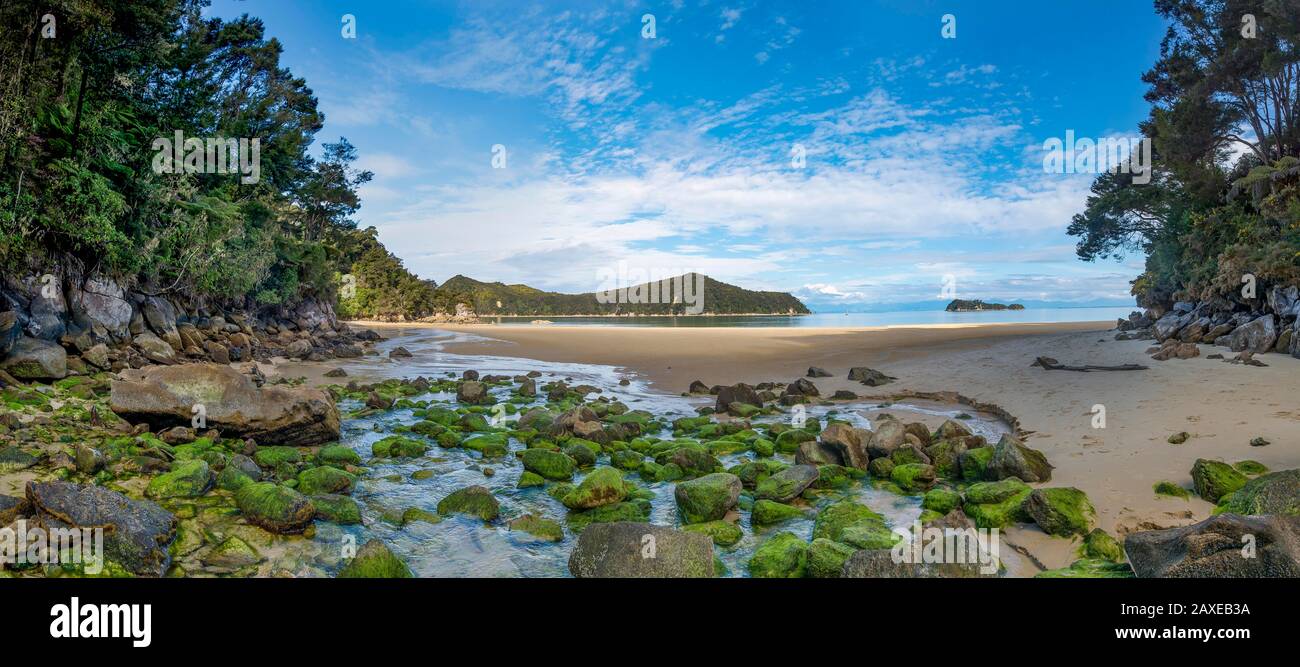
(1221, 405)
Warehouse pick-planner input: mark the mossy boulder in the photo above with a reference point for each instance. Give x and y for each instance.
(770, 512)
(473, 501)
(529, 479)
(396, 446)
(854, 524)
(1011, 458)
(602, 486)
(231, 554)
(638, 510)
(638, 549)
(274, 507)
(187, 479)
(1061, 511)
(325, 479)
(1089, 568)
(338, 456)
(996, 504)
(826, 558)
(375, 561)
(418, 514)
(913, 477)
(942, 501)
(337, 509)
(1100, 545)
(831, 476)
(723, 533)
(491, 445)
(272, 457)
(538, 527)
(707, 498)
(782, 556)
(787, 484)
(881, 468)
(547, 463)
(1250, 468)
(974, 463)
(231, 478)
(1274, 493)
(1215, 479)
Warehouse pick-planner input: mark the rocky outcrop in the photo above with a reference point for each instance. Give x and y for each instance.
(136, 533)
(1223, 546)
(1011, 458)
(165, 396)
(640, 550)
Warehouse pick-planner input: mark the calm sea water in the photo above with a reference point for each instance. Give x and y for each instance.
(1029, 315)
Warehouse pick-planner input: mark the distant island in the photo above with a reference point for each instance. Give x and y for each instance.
(719, 298)
(963, 306)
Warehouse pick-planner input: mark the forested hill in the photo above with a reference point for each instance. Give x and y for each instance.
(98, 98)
(718, 299)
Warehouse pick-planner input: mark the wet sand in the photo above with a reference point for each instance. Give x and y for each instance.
(1223, 406)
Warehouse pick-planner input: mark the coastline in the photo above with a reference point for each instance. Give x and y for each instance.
(1223, 406)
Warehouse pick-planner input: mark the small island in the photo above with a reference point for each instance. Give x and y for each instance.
(963, 306)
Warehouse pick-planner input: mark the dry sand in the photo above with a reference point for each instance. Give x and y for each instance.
(1223, 406)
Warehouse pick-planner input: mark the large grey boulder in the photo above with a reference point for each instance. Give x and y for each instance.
(165, 396)
(737, 393)
(1170, 324)
(155, 349)
(1222, 546)
(101, 302)
(136, 532)
(36, 359)
(848, 443)
(890, 434)
(1011, 458)
(1257, 336)
(1284, 301)
(161, 317)
(639, 550)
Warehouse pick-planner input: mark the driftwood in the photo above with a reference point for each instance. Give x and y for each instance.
(1051, 364)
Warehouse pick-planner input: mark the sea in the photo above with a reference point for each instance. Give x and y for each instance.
(880, 319)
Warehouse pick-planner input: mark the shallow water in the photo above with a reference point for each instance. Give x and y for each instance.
(890, 318)
(466, 547)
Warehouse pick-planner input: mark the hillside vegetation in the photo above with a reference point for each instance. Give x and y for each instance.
(718, 299)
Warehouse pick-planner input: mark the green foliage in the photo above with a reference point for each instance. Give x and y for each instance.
(1202, 221)
(81, 118)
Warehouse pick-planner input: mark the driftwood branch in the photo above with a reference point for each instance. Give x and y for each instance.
(1050, 364)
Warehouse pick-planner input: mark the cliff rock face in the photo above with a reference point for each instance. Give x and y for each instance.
(1245, 325)
(57, 322)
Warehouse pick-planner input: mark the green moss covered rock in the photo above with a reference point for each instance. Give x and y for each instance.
(547, 463)
(1061, 511)
(473, 501)
(603, 486)
(375, 561)
(1100, 545)
(538, 527)
(187, 479)
(325, 479)
(723, 533)
(913, 477)
(1167, 488)
(396, 446)
(826, 558)
(338, 456)
(854, 524)
(707, 498)
(782, 556)
(770, 512)
(276, 508)
(941, 500)
(1215, 479)
(996, 504)
(337, 509)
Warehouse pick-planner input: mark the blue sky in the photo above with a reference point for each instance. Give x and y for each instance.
(923, 154)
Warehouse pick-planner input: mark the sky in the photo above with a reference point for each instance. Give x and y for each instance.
(847, 152)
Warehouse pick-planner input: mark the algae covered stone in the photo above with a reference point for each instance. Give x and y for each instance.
(1273, 493)
(529, 479)
(913, 477)
(472, 500)
(187, 479)
(826, 558)
(338, 509)
(769, 512)
(547, 463)
(538, 527)
(782, 556)
(787, 484)
(1100, 544)
(325, 479)
(276, 508)
(338, 455)
(603, 486)
(941, 500)
(996, 504)
(854, 524)
(396, 446)
(627, 549)
(1215, 479)
(1062, 511)
(707, 498)
(723, 533)
(1011, 458)
(375, 561)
